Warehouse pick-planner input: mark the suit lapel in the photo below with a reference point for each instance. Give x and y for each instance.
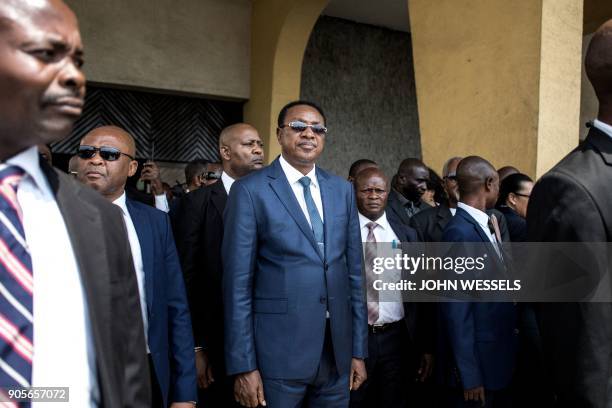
(219, 196)
(474, 223)
(328, 199)
(281, 187)
(83, 223)
(142, 224)
(602, 143)
(397, 207)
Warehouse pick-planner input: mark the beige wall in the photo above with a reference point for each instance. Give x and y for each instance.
(498, 79)
(193, 46)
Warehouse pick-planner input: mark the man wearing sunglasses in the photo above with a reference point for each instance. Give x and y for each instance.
(68, 294)
(199, 233)
(106, 157)
(295, 317)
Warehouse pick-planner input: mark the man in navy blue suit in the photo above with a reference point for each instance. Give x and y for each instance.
(478, 340)
(106, 161)
(295, 317)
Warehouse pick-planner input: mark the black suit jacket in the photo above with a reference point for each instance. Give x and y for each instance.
(573, 203)
(395, 208)
(430, 223)
(198, 235)
(420, 318)
(99, 239)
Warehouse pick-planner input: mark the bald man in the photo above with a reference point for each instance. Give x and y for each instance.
(69, 295)
(573, 203)
(199, 232)
(106, 160)
(479, 340)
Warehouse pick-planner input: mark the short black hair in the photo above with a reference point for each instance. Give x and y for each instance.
(511, 184)
(195, 168)
(358, 163)
(283, 112)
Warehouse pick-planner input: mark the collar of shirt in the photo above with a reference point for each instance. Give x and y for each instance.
(28, 160)
(121, 203)
(481, 217)
(294, 175)
(381, 221)
(227, 181)
(604, 127)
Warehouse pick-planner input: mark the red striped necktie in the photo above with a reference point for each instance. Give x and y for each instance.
(16, 288)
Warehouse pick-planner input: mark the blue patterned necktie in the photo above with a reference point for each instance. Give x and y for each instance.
(315, 218)
(16, 288)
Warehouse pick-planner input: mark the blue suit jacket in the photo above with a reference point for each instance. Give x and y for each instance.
(276, 284)
(478, 340)
(170, 335)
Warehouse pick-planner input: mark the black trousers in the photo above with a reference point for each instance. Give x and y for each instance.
(389, 363)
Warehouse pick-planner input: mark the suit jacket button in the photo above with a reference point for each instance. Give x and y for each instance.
(323, 300)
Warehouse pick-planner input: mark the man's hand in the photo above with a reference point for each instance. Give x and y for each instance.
(358, 374)
(182, 405)
(248, 389)
(150, 172)
(204, 369)
(426, 367)
(475, 394)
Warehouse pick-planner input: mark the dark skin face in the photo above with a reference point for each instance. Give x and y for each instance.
(108, 177)
(301, 149)
(42, 87)
(242, 152)
(372, 193)
(450, 183)
(412, 182)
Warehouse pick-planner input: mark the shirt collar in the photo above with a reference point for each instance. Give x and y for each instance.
(480, 216)
(604, 127)
(121, 203)
(227, 181)
(381, 221)
(294, 175)
(29, 161)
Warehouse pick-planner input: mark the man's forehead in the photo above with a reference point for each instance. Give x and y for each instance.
(304, 112)
(44, 16)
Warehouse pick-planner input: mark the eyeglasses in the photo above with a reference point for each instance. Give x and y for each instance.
(106, 153)
(300, 127)
(452, 177)
(522, 195)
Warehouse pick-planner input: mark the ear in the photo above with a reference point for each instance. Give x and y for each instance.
(224, 152)
(512, 198)
(489, 183)
(278, 134)
(133, 167)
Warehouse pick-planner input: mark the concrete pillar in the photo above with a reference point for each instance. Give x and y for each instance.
(498, 78)
(280, 31)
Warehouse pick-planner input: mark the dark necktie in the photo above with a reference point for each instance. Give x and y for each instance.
(370, 254)
(16, 287)
(315, 219)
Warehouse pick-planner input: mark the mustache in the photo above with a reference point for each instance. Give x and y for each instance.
(57, 99)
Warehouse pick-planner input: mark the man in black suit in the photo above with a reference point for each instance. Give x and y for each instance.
(572, 203)
(74, 257)
(397, 341)
(199, 233)
(430, 222)
(410, 184)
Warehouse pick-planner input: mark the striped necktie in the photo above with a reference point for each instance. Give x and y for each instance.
(16, 287)
(372, 294)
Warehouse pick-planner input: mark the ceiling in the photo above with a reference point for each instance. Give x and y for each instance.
(391, 14)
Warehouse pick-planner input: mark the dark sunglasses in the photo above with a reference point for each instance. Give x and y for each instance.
(300, 127)
(106, 153)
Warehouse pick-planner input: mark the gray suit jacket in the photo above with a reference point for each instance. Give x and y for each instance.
(102, 251)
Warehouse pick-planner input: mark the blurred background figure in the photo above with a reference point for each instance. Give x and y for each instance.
(410, 184)
(505, 171)
(358, 166)
(513, 198)
(195, 174)
(213, 173)
(435, 194)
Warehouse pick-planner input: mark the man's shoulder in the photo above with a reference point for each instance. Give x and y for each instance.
(73, 189)
(153, 213)
(426, 215)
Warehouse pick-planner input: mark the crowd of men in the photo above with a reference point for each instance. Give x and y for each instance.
(254, 288)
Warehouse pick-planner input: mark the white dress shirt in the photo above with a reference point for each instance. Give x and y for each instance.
(161, 203)
(453, 211)
(138, 265)
(604, 127)
(388, 312)
(227, 182)
(293, 176)
(482, 218)
(64, 355)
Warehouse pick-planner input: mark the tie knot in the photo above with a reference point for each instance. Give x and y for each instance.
(371, 225)
(305, 181)
(11, 175)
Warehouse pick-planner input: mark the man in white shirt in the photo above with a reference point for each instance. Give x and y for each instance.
(394, 341)
(69, 306)
(198, 225)
(107, 160)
